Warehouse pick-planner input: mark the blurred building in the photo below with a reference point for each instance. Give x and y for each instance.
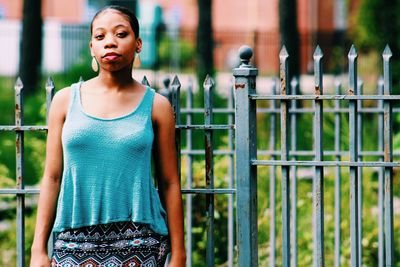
(256, 22)
(235, 22)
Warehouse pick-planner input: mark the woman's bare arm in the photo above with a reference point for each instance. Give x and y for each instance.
(50, 184)
(167, 175)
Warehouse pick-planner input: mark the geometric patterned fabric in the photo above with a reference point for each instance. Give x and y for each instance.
(110, 245)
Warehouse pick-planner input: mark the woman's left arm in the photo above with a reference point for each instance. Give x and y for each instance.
(166, 171)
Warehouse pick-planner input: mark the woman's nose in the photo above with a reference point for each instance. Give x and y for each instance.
(110, 41)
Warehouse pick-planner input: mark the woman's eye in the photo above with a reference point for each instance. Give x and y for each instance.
(121, 34)
(98, 37)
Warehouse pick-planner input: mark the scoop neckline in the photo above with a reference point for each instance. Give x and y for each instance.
(108, 119)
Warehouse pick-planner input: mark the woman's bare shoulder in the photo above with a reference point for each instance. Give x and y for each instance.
(60, 102)
(161, 107)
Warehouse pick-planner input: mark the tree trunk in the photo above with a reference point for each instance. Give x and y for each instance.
(129, 4)
(205, 42)
(290, 34)
(31, 45)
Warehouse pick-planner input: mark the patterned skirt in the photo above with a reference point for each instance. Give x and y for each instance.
(112, 245)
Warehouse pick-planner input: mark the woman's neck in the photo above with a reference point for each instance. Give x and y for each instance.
(118, 79)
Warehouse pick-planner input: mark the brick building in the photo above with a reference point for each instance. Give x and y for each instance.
(235, 22)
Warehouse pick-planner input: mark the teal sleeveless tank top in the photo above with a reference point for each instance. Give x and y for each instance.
(107, 168)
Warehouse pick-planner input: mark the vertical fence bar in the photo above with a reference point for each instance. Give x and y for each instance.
(318, 184)
(145, 81)
(19, 143)
(360, 85)
(293, 144)
(246, 150)
(164, 91)
(338, 177)
(388, 157)
(284, 74)
(208, 120)
(176, 92)
(381, 217)
(189, 180)
(353, 144)
(231, 173)
(50, 88)
(272, 180)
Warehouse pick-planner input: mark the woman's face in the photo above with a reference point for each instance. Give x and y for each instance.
(113, 41)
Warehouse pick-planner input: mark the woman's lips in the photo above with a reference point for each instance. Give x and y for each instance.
(111, 56)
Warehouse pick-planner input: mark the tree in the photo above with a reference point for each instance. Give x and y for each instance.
(290, 34)
(130, 4)
(205, 41)
(31, 45)
(377, 25)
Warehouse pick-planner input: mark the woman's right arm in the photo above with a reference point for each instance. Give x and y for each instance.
(51, 180)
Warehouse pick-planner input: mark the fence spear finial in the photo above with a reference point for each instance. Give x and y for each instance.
(175, 81)
(145, 81)
(49, 82)
(208, 82)
(283, 54)
(18, 84)
(387, 53)
(318, 53)
(353, 52)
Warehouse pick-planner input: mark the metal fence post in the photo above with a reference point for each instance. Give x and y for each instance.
(189, 179)
(318, 183)
(209, 159)
(353, 147)
(381, 220)
(19, 143)
(50, 90)
(294, 84)
(284, 106)
(338, 177)
(388, 157)
(246, 149)
(272, 180)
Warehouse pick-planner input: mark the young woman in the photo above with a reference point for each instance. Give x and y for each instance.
(97, 193)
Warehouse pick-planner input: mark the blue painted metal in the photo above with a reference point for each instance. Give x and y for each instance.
(360, 85)
(272, 182)
(231, 181)
(353, 144)
(284, 88)
(388, 157)
(324, 97)
(246, 163)
(381, 217)
(246, 174)
(313, 163)
(293, 172)
(189, 178)
(338, 177)
(209, 174)
(176, 92)
(19, 143)
(50, 90)
(318, 183)
(145, 81)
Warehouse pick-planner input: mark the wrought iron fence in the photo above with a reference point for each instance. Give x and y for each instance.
(283, 105)
(244, 156)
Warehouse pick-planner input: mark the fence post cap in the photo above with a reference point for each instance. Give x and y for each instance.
(245, 69)
(245, 54)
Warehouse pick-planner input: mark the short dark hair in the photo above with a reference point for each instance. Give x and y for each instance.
(125, 12)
